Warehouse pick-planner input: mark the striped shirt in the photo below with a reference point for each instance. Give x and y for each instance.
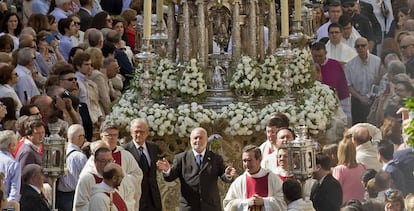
(74, 164)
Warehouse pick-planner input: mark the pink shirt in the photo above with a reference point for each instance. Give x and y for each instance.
(350, 180)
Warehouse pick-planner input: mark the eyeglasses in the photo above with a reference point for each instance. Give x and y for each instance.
(105, 161)
(335, 32)
(76, 23)
(403, 47)
(69, 79)
(360, 45)
(111, 135)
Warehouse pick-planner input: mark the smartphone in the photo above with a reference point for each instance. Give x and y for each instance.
(49, 38)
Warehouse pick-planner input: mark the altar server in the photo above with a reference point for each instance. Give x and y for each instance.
(257, 188)
(274, 123)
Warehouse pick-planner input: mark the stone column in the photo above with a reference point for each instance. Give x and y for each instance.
(272, 28)
(172, 33)
(252, 29)
(236, 35)
(185, 42)
(202, 53)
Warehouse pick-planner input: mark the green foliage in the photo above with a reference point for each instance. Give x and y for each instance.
(409, 130)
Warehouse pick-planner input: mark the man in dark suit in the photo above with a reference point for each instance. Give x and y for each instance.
(29, 152)
(146, 154)
(198, 170)
(386, 157)
(85, 13)
(405, 160)
(32, 197)
(326, 194)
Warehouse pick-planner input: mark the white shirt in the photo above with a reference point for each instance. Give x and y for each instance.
(340, 52)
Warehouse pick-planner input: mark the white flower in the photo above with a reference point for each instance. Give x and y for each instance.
(192, 82)
(242, 119)
(191, 116)
(246, 75)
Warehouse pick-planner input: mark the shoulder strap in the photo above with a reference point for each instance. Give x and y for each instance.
(67, 155)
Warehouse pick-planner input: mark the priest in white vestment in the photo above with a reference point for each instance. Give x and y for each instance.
(335, 48)
(257, 188)
(105, 196)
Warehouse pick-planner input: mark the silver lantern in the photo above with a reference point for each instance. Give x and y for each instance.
(54, 158)
(302, 155)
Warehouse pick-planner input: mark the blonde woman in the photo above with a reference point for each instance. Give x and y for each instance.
(348, 172)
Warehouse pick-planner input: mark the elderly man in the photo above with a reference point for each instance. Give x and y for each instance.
(9, 166)
(366, 151)
(62, 6)
(133, 173)
(257, 188)
(361, 73)
(105, 195)
(407, 50)
(198, 170)
(75, 161)
(335, 48)
(26, 87)
(146, 155)
(32, 196)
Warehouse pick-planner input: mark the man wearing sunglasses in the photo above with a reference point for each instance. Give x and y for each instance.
(407, 50)
(361, 73)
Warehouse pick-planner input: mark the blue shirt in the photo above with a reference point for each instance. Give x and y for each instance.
(40, 6)
(25, 87)
(83, 88)
(12, 171)
(59, 14)
(65, 45)
(74, 164)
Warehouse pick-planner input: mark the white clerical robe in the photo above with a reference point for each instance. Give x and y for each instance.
(100, 200)
(340, 52)
(236, 200)
(266, 148)
(130, 188)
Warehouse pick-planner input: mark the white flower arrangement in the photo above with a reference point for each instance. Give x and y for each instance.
(242, 119)
(288, 109)
(300, 68)
(166, 79)
(246, 76)
(126, 109)
(320, 103)
(271, 75)
(190, 116)
(161, 119)
(192, 82)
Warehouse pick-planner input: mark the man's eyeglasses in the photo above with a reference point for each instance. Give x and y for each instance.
(69, 79)
(110, 135)
(360, 45)
(105, 161)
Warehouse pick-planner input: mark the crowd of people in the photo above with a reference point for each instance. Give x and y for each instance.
(63, 63)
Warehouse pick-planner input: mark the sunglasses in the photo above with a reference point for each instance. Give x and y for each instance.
(76, 23)
(69, 79)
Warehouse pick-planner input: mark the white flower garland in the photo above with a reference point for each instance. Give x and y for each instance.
(191, 116)
(246, 76)
(166, 77)
(300, 68)
(161, 119)
(270, 75)
(126, 109)
(192, 82)
(242, 119)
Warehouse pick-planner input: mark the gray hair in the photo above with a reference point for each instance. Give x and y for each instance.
(396, 67)
(94, 36)
(60, 2)
(75, 130)
(29, 171)
(7, 138)
(108, 61)
(138, 121)
(25, 56)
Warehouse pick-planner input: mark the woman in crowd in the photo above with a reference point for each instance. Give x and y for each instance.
(78, 35)
(48, 49)
(101, 20)
(12, 26)
(38, 22)
(9, 119)
(9, 77)
(391, 130)
(119, 24)
(67, 29)
(319, 18)
(409, 202)
(348, 172)
(6, 43)
(130, 17)
(53, 26)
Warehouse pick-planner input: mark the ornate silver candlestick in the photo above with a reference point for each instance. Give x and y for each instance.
(54, 158)
(286, 55)
(146, 57)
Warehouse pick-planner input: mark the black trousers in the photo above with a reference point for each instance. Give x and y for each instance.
(359, 111)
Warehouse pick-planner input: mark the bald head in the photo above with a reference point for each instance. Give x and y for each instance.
(360, 135)
(113, 174)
